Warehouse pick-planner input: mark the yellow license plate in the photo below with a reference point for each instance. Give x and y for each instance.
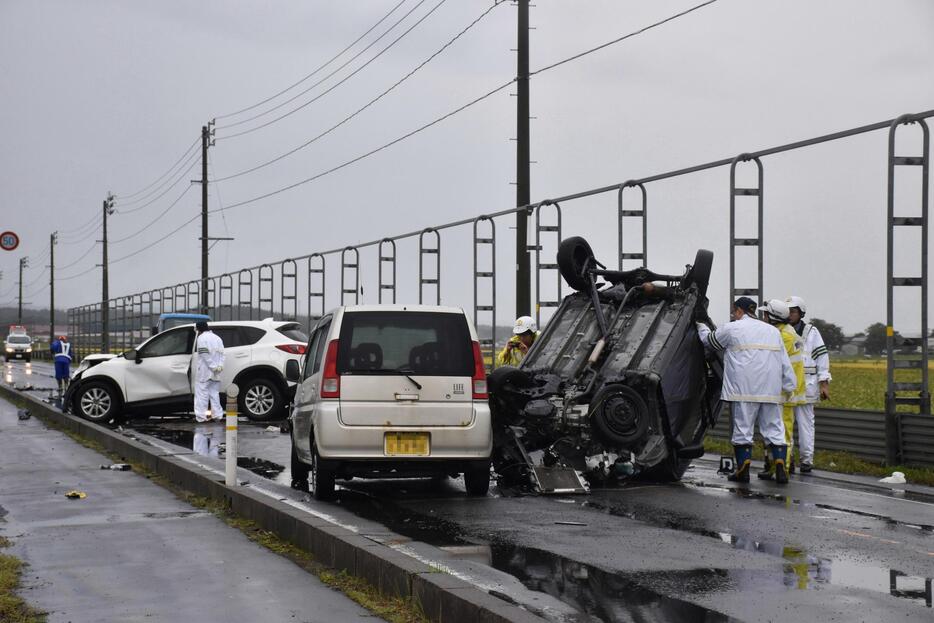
(407, 444)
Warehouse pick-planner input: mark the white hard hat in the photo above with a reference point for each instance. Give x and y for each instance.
(523, 324)
(776, 309)
(797, 301)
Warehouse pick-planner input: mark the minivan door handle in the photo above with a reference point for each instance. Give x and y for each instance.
(412, 397)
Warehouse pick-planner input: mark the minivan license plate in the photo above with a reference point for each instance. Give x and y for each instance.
(406, 444)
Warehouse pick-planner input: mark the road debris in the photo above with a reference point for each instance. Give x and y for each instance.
(118, 467)
(272, 429)
(570, 523)
(23, 414)
(897, 478)
(76, 495)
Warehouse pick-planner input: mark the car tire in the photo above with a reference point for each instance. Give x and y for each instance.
(700, 272)
(620, 416)
(98, 402)
(477, 480)
(574, 254)
(671, 469)
(322, 480)
(260, 400)
(300, 472)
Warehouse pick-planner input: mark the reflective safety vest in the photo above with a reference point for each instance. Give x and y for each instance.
(816, 361)
(794, 346)
(62, 350)
(512, 356)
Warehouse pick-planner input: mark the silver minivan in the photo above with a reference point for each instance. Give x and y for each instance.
(391, 391)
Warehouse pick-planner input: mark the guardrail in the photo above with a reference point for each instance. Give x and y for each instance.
(862, 433)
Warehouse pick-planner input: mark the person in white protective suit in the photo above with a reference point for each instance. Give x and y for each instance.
(756, 370)
(209, 354)
(816, 376)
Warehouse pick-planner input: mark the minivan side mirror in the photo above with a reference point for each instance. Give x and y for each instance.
(292, 371)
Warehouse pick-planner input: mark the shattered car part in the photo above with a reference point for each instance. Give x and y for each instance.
(618, 385)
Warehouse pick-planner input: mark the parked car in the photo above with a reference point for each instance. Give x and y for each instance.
(617, 385)
(156, 377)
(391, 391)
(170, 320)
(17, 346)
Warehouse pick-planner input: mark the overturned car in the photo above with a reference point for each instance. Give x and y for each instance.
(617, 386)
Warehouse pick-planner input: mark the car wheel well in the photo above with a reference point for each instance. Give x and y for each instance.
(106, 380)
(261, 372)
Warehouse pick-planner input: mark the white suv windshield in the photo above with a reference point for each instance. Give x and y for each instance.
(423, 343)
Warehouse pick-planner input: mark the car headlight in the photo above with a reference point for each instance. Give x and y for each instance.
(9, 350)
(28, 350)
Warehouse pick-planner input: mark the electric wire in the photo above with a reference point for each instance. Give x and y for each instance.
(81, 257)
(124, 197)
(154, 243)
(335, 85)
(365, 106)
(319, 68)
(196, 159)
(153, 221)
(81, 231)
(75, 276)
(92, 232)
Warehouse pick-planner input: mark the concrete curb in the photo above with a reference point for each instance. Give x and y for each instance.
(444, 598)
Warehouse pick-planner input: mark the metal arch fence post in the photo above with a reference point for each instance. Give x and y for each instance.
(145, 319)
(225, 285)
(758, 192)
(248, 284)
(424, 251)
(168, 300)
(487, 345)
(288, 274)
(266, 275)
(355, 267)
(316, 266)
(181, 298)
(622, 213)
(137, 323)
(540, 265)
(152, 310)
(193, 297)
(212, 297)
(922, 397)
(383, 257)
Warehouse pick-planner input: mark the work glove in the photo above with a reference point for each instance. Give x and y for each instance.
(217, 370)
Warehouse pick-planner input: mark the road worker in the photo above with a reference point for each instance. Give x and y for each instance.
(61, 355)
(525, 332)
(209, 354)
(756, 372)
(816, 379)
(777, 313)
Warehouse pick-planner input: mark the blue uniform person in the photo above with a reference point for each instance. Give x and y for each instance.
(61, 354)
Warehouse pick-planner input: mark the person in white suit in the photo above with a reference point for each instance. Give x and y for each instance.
(209, 354)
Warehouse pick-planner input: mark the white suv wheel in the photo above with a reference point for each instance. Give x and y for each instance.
(96, 402)
(259, 400)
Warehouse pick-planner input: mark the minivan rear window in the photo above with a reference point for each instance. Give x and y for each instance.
(420, 343)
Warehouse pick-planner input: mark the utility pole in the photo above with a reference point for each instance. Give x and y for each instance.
(23, 263)
(105, 293)
(523, 157)
(205, 140)
(53, 239)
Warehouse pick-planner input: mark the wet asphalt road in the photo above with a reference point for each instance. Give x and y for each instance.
(700, 550)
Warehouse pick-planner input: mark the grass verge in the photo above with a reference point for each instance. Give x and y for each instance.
(13, 609)
(391, 608)
(839, 462)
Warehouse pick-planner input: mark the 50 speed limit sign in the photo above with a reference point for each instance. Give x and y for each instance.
(8, 241)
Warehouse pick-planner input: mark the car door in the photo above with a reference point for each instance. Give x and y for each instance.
(306, 394)
(162, 365)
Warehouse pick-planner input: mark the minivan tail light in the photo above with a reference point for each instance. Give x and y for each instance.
(479, 374)
(292, 349)
(331, 380)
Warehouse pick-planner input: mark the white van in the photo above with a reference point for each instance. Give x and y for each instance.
(391, 391)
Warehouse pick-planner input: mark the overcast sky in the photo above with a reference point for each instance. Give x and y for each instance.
(104, 96)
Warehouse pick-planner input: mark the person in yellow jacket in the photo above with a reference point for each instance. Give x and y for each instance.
(524, 335)
(777, 313)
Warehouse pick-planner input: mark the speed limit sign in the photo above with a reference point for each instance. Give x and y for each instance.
(8, 241)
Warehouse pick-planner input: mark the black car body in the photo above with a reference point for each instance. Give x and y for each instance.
(617, 385)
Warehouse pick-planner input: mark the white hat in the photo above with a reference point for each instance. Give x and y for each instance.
(797, 301)
(523, 324)
(776, 309)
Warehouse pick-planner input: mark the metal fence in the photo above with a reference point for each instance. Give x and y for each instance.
(862, 433)
(298, 288)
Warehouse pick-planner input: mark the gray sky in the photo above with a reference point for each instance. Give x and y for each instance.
(102, 96)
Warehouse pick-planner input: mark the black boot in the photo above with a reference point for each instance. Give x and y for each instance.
(768, 469)
(778, 456)
(743, 463)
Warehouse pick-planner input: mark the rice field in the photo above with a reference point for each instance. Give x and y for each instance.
(861, 384)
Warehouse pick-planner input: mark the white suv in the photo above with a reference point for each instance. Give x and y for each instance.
(391, 390)
(156, 377)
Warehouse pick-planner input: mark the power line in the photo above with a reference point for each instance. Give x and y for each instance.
(623, 38)
(193, 162)
(95, 220)
(92, 232)
(153, 221)
(81, 274)
(368, 104)
(319, 68)
(172, 168)
(338, 83)
(83, 255)
(154, 243)
(369, 153)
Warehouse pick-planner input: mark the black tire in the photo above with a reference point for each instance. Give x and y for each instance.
(322, 480)
(620, 416)
(573, 255)
(671, 469)
(98, 402)
(260, 400)
(477, 479)
(700, 272)
(300, 472)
